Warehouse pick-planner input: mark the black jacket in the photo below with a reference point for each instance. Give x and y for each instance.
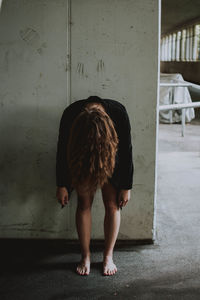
(122, 177)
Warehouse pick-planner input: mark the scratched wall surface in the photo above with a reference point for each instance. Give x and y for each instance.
(114, 47)
(33, 94)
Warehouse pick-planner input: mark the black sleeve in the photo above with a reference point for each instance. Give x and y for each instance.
(125, 153)
(62, 172)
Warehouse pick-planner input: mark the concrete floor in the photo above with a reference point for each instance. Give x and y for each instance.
(169, 269)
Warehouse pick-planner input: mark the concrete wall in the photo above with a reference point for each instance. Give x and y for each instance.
(33, 93)
(115, 45)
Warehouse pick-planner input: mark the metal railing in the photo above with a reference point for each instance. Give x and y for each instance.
(182, 106)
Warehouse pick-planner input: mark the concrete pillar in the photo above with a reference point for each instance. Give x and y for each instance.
(115, 44)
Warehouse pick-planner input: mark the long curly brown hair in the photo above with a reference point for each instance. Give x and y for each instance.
(91, 150)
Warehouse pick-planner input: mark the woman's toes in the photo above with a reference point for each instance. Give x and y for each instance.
(109, 270)
(83, 268)
(79, 270)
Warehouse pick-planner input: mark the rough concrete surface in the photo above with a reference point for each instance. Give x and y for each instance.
(169, 269)
(52, 54)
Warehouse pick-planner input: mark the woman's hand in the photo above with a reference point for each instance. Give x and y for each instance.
(62, 195)
(124, 197)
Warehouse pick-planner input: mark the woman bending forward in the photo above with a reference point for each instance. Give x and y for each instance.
(94, 150)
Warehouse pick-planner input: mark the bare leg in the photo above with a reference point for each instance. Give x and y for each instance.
(111, 227)
(83, 225)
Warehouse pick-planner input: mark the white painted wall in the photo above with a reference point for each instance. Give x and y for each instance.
(115, 44)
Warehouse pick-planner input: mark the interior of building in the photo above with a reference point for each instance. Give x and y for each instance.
(146, 55)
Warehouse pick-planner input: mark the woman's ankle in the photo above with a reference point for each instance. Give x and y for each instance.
(107, 256)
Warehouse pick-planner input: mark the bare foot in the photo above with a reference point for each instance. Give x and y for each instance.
(109, 268)
(83, 267)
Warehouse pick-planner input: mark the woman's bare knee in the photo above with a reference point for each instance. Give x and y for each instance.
(85, 201)
(111, 207)
(109, 194)
(84, 205)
